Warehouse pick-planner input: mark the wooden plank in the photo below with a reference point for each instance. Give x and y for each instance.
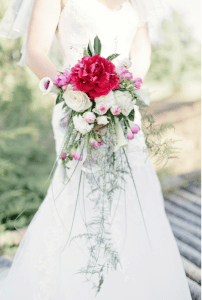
(195, 289)
(170, 183)
(181, 213)
(185, 204)
(187, 238)
(189, 253)
(192, 271)
(194, 190)
(195, 230)
(187, 195)
(192, 176)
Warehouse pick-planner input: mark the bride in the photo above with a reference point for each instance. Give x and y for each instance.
(67, 253)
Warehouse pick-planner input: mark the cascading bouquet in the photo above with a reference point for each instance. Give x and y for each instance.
(99, 99)
(97, 96)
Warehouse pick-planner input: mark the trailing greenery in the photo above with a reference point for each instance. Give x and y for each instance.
(27, 150)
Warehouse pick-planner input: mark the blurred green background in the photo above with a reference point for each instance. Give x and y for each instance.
(27, 150)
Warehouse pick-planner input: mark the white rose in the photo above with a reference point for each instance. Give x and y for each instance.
(77, 100)
(52, 88)
(124, 101)
(89, 117)
(81, 125)
(144, 95)
(102, 120)
(107, 100)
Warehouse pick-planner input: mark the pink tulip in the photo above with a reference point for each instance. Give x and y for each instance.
(130, 135)
(134, 128)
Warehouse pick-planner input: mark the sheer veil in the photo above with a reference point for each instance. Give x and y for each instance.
(16, 20)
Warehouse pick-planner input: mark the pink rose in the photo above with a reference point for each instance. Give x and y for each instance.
(115, 110)
(102, 108)
(124, 73)
(95, 76)
(138, 82)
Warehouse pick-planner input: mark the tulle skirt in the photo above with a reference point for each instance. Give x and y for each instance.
(48, 262)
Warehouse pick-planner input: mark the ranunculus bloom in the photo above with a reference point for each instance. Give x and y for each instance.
(76, 100)
(138, 82)
(95, 76)
(124, 73)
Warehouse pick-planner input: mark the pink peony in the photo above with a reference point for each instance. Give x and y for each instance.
(130, 135)
(124, 73)
(64, 155)
(134, 128)
(95, 76)
(138, 82)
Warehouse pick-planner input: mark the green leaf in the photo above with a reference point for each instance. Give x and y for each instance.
(64, 105)
(113, 56)
(90, 49)
(85, 52)
(131, 115)
(97, 45)
(141, 103)
(59, 99)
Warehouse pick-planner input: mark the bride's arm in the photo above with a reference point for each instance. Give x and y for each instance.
(140, 53)
(43, 23)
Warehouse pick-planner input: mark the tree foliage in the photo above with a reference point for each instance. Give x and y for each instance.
(176, 54)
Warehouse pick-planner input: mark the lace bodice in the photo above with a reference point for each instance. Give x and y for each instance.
(82, 20)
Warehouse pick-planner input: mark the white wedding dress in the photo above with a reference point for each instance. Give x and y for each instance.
(46, 265)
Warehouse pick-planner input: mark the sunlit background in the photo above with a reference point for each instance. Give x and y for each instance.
(26, 138)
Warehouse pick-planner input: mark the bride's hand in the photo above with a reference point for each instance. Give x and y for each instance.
(42, 27)
(140, 53)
